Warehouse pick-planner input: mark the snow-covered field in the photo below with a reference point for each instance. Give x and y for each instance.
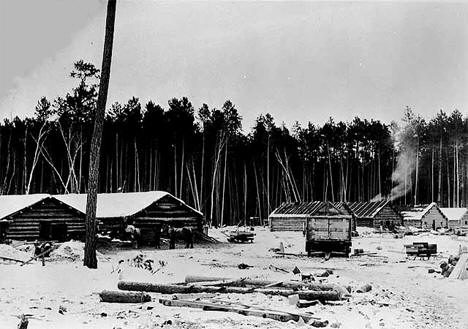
(64, 294)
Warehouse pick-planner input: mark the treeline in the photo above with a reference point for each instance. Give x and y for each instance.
(205, 158)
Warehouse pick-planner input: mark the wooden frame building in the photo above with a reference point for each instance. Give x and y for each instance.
(148, 211)
(429, 216)
(375, 214)
(39, 217)
(292, 216)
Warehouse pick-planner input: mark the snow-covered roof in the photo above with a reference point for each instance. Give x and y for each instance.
(11, 204)
(417, 213)
(111, 205)
(454, 214)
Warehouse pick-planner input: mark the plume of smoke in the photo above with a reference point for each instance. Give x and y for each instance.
(405, 167)
(377, 198)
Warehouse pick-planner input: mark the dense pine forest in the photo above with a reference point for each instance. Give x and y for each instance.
(230, 172)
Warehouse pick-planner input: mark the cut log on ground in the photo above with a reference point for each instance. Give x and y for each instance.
(177, 289)
(242, 282)
(306, 303)
(269, 314)
(109, 296)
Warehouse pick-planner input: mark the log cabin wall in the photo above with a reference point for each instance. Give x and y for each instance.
(364, 222)
(166, 211)
(386, 217)
(287, 223)
(45, 218)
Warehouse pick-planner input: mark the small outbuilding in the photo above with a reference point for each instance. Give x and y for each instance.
(149, 211)
(429, 216)
(375, 214)
(292, 216)
(39, 217)
(457, 217)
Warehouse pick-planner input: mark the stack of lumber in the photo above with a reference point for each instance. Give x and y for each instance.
(212, 304)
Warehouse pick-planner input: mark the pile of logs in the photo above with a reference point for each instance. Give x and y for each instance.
(197, 284)
(307, 294)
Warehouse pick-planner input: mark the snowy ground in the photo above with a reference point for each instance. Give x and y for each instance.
(404, 294)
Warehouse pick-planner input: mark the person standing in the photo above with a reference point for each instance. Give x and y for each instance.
(157, 237)
(172, 237)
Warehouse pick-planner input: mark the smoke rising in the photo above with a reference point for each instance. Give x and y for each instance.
(401, 176)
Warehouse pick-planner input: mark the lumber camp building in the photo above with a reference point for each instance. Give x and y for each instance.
(62, 217)
(429, 216)
(375, 214)
(148, 211)
(39, 217)
(293, 216)
(457, 217)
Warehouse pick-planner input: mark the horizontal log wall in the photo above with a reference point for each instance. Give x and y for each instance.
(287, 223)
(387, 216)
(25, 225)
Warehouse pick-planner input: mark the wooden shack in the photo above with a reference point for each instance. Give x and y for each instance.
(457, 217)
(148, 211)
(39, 217)
(429, 217)
(375, 214)
(292, 216)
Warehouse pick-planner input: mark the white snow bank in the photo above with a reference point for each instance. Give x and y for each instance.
(10, 252)
(71, 251)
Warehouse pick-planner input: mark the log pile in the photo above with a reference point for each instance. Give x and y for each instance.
(204, 293)
(199, 284)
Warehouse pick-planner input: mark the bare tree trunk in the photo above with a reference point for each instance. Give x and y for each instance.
(268, 174)
(182, 165)
(331, 176)
(439, 187)
(448, 180)
(224, 183)
(458, 174)
(202, 174)
(175, 168)
(245, 193)
(416, 176)
(39, 144)
(432, 174)
(90, 259)
(25, 159)
(258, 192)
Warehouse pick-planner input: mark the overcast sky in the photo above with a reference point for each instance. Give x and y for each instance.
(301, 61)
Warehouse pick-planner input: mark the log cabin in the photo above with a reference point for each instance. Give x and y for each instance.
(375, 214)
(292, 216)
(429, 216)
(39, 217)
(148, 211)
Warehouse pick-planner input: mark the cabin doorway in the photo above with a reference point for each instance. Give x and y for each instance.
(53, 231)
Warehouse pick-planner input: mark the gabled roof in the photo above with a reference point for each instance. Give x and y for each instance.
(367, 209)
(454, 214)
(113, 205)
(418, 212)
(307, 209)
(11, 204)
